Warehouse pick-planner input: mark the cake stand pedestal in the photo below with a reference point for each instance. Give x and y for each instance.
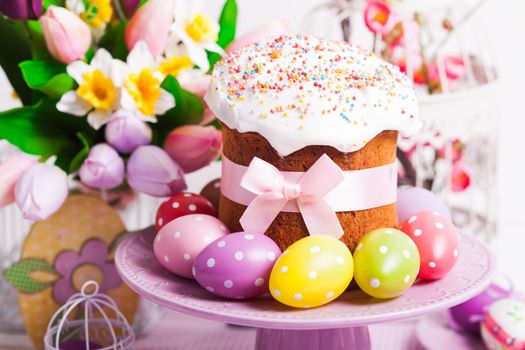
(342, 324)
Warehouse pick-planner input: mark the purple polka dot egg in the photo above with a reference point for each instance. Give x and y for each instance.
(237, 266)
(179, 242)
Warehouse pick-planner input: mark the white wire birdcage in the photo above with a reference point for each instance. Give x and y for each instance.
(94, 327)
(455, 155)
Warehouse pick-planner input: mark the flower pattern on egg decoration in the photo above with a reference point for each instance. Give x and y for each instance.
(91, 263)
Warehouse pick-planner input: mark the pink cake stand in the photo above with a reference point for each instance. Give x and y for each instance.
(341, 324)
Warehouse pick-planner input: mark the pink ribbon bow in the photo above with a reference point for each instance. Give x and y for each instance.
(273, 191)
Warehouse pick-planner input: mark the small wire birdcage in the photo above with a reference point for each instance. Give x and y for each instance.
(93, 326)
(442, 46)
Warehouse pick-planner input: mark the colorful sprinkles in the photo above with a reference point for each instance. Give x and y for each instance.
(299, 77)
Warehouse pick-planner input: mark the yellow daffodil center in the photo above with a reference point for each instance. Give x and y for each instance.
(98, 90)
(144, 87)
(175, 65)
(97, 13)
(201, 29)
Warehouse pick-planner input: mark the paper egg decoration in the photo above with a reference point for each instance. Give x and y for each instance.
(237, 266)
(212, 192)
(437, 241)
(386, 263)
(468, 315)
(503, 327)
(311, 272)
(181, 204)
(411, 200)
(178, 243)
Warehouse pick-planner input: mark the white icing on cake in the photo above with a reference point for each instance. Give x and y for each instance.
(298, 90)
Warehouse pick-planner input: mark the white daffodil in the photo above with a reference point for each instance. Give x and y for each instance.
(96, 13)
(197, 31)
(177, 59)
(141, 92)
(97, 94)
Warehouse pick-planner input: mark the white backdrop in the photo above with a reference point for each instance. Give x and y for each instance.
(504, 23)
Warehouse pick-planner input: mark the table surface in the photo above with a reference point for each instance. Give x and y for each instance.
(141, 271)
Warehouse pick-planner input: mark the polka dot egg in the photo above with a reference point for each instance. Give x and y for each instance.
(237, 266)
(311, 272)
(386, 263)
(181, 204)
(437, 241)
(178, 243)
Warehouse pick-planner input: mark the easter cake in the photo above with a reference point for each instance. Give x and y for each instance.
(295, 99)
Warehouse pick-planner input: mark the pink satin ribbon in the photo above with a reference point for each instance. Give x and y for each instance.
(317, 194)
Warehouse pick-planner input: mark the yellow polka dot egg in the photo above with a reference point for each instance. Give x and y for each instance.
(386, 263)
(312, 272)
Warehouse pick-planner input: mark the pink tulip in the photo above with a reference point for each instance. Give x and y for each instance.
(10, 171)
(272, 29)
(152, 171)
(193, 146)
(125, 133)
(67, 37)
(152, 24)
(379, 18)
(103, 168)
(460, 179)
(197, 84)
(41, 191)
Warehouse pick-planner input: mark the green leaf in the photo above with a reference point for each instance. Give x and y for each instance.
(47, 3)
(15, 48)
(47, 77)
(142, 2)
(228, 27)
(44, 131)
(37, 41)
(188, 109)
(113, 41)
(82, 155)
(19, 275)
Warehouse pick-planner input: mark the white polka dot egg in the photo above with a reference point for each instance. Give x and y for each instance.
(237, 266)
(178, 243)
(311, 272)
(386, 263)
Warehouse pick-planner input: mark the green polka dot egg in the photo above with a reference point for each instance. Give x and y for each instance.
(313, 271)
(386, 263)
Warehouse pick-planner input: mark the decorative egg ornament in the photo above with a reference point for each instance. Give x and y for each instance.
(237, 266)
(178, 243)
(437, 241)
(386, 263)
(411, 200)
(313, 271)
(181, 204)
(468, 315)
(503, 327)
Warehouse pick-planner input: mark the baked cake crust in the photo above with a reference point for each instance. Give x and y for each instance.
(287, 228)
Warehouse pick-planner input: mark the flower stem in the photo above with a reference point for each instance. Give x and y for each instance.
(118, 9)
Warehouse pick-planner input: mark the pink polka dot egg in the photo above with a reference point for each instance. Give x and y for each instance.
(237, 266)
(436, 239)
(179, 242)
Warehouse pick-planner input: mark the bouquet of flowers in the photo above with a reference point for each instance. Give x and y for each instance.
(111, 93)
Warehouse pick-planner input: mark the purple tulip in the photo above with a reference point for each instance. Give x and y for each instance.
(103, 168)
(21, 9)
(151, 170)
(129, 6)
(125, 132)
(41, 191)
